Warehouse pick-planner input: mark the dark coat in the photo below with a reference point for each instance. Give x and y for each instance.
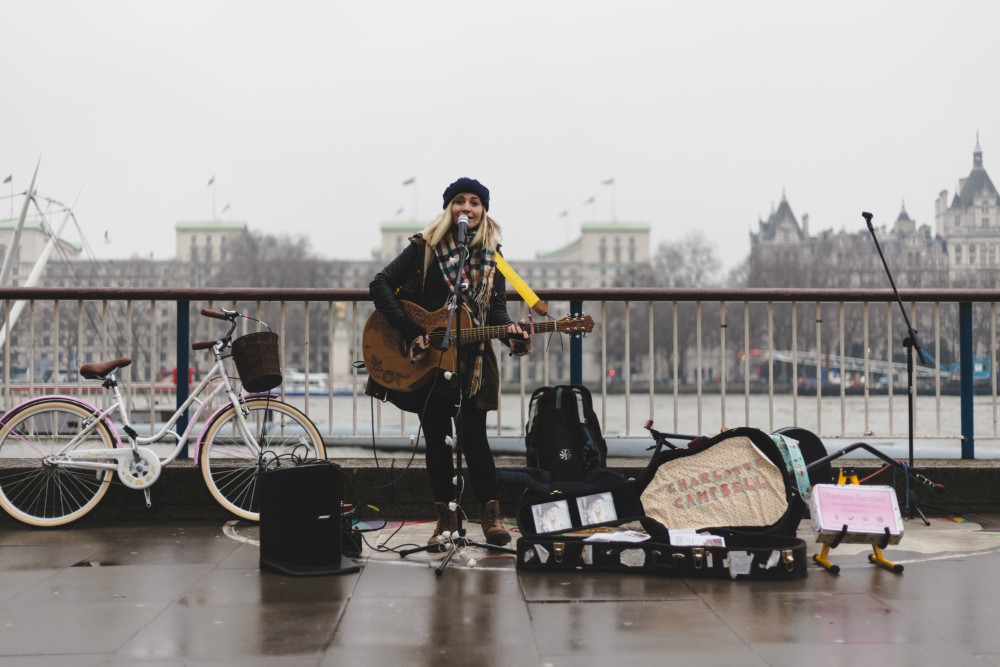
(415, 276)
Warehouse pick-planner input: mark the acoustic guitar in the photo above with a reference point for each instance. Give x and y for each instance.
(388, 362)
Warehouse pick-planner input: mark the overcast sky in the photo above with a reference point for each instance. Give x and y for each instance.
(311, 115)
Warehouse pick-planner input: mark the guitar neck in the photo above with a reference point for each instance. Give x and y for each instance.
(475, 335)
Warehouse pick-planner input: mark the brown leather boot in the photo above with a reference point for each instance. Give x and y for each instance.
(489, 518)
(447, 522)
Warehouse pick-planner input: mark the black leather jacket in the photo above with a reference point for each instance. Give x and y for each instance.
(415, 275)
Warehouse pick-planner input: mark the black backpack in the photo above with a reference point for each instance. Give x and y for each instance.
(563, 435)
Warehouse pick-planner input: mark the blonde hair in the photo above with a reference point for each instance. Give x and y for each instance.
(487, 232)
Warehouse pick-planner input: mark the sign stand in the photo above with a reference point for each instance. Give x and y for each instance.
(832, 540)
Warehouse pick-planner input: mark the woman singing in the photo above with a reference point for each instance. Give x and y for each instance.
(425, 273)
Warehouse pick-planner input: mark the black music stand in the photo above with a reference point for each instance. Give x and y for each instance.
(911, 344)
(455, 317)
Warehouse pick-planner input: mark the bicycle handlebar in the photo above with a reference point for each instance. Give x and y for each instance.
(662, 439)
(208, 312)
(225, 315)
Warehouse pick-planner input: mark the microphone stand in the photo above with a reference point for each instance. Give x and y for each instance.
(911, 344)
(455, 318)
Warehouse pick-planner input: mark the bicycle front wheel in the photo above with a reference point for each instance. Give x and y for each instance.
(37, 492)
(229, 464)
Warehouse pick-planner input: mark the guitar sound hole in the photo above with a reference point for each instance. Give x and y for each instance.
(437, 338)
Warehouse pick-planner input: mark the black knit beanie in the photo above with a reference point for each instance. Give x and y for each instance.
(470, 185)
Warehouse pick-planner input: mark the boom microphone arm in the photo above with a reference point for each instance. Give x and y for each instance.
(911, 332)
(910, 343)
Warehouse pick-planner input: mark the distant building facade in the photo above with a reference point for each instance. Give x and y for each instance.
(606, 254)
(213, 254)
(207, 241)
(971, 223)
(34, 239)
(783, 253)
(960, 251)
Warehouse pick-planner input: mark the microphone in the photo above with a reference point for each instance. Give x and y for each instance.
(868, 218)
(463, 228)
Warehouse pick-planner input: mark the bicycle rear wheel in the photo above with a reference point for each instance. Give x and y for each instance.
(230, 467)
(42, 494)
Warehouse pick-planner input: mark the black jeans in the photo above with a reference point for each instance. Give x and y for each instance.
(436, 423)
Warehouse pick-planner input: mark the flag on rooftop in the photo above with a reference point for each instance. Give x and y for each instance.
(409, 181)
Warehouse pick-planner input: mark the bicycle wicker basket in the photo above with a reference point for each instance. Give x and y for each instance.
(256, 357)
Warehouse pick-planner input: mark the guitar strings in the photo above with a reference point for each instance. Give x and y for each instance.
(499, 331)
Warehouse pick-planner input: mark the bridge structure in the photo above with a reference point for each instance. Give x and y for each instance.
(857, 364)
(980, 366)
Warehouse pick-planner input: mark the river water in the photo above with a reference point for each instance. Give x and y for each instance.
(880, 420)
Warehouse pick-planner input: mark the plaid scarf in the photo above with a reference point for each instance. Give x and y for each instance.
(478, 273)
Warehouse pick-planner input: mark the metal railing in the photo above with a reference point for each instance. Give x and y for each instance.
(698, 360)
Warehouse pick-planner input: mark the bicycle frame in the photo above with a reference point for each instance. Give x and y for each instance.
(59, 481)
(81, 458)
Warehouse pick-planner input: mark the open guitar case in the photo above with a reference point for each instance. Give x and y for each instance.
(734, 486)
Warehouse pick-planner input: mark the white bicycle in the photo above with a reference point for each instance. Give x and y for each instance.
(59, 454)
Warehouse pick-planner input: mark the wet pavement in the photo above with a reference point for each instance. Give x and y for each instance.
(192, 594)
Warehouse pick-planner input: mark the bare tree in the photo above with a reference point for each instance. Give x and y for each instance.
(690, 262)
(270, 260)
(280, 260)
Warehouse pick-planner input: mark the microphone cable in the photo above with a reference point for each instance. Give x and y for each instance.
(382, 548)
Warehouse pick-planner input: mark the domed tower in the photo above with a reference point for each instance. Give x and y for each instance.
(970, 222)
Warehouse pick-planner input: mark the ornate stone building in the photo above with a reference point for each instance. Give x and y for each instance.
(959, 252)
(971, 225)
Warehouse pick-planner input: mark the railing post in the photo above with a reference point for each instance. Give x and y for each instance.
(183, 363)
(576, 347)
(965, 378)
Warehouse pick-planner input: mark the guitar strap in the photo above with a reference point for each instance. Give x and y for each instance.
(795, 463)
(522, 288)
